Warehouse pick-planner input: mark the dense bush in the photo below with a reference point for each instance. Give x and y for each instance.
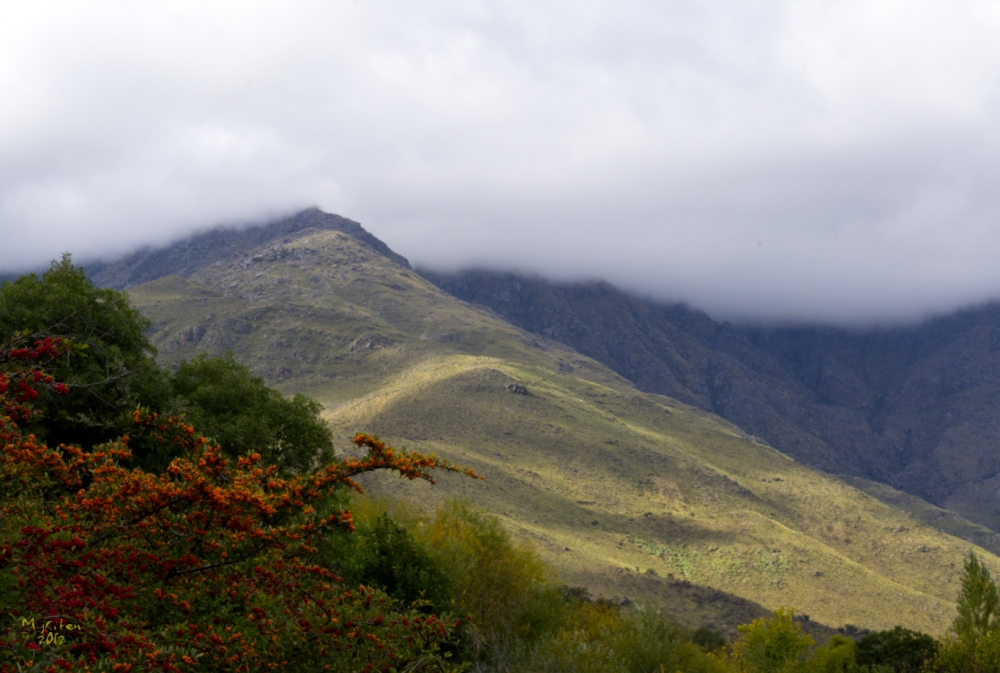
(205, 567)
(110, 370)
(599, 637)
(224, 401)
(899, 649)
(384, 554)
(775, 645)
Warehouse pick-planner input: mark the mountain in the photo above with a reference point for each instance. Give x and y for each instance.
(224, 244)
(626, 492)
(915, 408)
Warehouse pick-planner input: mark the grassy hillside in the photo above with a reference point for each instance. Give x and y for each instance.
(628, 493)
(914, 407)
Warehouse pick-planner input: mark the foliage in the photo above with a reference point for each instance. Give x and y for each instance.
(977, 602)
(775, 645)
(598, 637)
(957, 655)
(837, 656)
(205, 567)
(899, 649)
(503, 587)
(224, 401)
(383, 554)
(975, 645)
(110, 371)
(707, 639)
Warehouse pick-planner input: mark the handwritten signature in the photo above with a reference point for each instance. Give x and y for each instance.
(50, 631)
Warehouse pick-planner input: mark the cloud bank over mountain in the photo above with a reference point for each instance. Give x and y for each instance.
(782, 160)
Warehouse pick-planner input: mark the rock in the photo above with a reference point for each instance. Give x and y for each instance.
(516, 388)
(194, 334)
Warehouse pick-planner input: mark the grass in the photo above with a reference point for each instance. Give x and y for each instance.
(629, 494)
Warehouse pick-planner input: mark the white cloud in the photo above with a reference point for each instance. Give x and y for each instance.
(808, 160)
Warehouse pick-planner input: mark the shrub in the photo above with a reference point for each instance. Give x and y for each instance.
(205, 567)
(384, 554)
(707, 639)
(110, 370)
(503, 586)
(223, 400)
(899, 649)
(837, 656)
(775, 645)
(601, 637)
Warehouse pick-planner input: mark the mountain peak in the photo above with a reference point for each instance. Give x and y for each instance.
(187, 256)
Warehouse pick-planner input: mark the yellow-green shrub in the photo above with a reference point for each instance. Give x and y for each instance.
(504, 586)
(775, 645)
(837, 656)
(600, 638)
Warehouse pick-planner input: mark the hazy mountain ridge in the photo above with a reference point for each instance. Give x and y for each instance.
(913, 407)
(188, 256)
(604, 479)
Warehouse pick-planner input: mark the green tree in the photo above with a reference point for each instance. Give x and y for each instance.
(837, 656)
(899, 649)
(975, 645)
(385, 555)
(774, 645)
(112, 369)
(502, 584)
(977, 602)
(221, 398)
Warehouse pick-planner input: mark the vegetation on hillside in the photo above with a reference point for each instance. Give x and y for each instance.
(242, 563)
(209, 566)
(734, 527)
(111, 372)
(162, 549)
(911, 406)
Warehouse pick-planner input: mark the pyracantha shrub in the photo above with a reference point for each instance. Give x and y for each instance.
(207, 566)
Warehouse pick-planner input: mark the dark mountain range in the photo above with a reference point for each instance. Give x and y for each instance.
(915, 407)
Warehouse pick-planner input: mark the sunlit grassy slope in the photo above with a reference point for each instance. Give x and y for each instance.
(611, 484)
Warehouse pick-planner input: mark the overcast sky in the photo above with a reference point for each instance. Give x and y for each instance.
(834, 161)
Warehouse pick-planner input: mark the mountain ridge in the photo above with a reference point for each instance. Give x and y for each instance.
(911, 407)
(190, 254)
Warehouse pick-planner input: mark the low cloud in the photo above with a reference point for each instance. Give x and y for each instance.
(780, 161)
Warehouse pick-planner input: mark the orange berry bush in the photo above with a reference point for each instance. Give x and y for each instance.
(204, 567)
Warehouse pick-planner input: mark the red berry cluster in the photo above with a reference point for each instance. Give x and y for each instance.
(204, 567)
